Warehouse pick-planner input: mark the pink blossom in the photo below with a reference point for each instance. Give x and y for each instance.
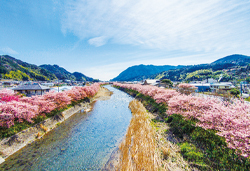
(230, 120)
(27, 108)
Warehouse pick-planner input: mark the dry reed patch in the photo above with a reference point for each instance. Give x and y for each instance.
(103, 94)
(146, 147)
(139, 148)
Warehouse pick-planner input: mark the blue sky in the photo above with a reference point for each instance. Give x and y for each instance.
(102, 38)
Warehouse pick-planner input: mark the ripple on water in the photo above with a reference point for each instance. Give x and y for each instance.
(83, 142)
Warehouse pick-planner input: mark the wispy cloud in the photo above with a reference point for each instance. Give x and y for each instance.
(190, 25)
(97, 41)
(9, 51)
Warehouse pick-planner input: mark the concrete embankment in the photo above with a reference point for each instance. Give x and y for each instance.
(9, 146)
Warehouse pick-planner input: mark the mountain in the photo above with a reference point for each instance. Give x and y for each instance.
(140, 72)
(229, 68)
(63, 74)
(81, 77)
(60, 72)
(11, 68)
(180, 73)
(235, 59)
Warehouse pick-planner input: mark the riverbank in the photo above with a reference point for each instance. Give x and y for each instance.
(145, 146)
(203, 149)
(9, 146)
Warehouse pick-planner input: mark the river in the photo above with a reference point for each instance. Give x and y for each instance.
(84, 141)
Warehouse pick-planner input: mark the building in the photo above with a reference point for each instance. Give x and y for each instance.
(222, 86)
(48, 84)
(7, 84)
(31, 89)
(211, 80)
(152, 82)
(202, 87)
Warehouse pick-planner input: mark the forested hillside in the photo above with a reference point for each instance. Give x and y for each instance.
(63, 74)
(230, 68)
(15, 69)
(11, 68)
(140, 72)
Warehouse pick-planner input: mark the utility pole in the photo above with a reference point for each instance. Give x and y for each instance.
(58, 85)
(241, 88)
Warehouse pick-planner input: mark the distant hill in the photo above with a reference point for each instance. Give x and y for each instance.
(229, 68)
(81, 77)
(60, 73)
(180, 73)
(63, 74)
(140, 72)
(235, 59)
(11, 68)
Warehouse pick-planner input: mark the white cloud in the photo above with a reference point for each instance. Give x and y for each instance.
(190, 25)
(97, 41)
(9, 51)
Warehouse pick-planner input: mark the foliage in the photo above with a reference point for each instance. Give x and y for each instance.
(205, 148)
(187, 89)
(248, 79)
(185, 73)
(168, 82)
(224, 67)
(8, 95)
(17, 75)
(81, 77)
(11, 68)
(191, 153)
(216, 154)
(235, 92)
(16, 110)
(35, 75)
(231, 120)
(248, 99)
(59, 72)
(199, 74)
(140, 72)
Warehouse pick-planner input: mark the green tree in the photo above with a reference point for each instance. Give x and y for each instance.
(168, 82)
(17, 75)
(235, 92)
(248, 79)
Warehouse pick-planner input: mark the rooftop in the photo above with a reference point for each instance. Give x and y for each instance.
(34, 86)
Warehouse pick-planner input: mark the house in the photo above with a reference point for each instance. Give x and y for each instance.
(31, 89)
(48, 84)
(222, 86)
(7, 84)
(211, 80)
(152, 82)
(202, 87)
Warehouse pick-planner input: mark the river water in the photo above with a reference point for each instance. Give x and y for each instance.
(85, 141)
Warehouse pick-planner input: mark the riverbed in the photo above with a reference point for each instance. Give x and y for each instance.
(85, 141)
